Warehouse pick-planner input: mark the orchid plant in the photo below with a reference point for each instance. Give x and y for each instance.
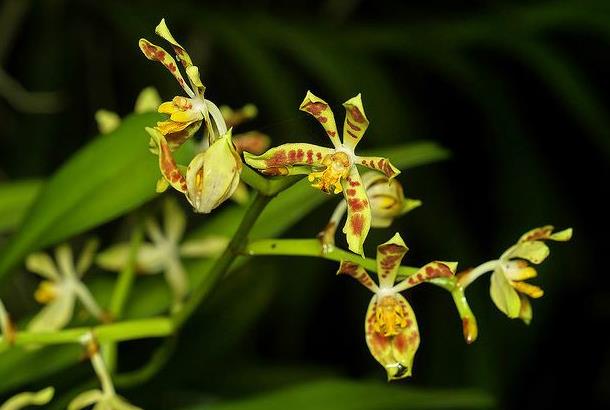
(219, 165)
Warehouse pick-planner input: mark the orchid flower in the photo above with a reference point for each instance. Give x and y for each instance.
(508, 290)
(390, 325)
(332, 170)
(106, 398)
(62, 287)
(186, 113)
(387, 201)
(165, 251)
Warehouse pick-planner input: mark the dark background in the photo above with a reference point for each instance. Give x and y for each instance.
(517, 91)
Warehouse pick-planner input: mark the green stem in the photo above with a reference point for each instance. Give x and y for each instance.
(313, 247)
(114, 332)
(151, 368)
(223, 263)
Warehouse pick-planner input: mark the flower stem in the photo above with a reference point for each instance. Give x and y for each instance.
(114, 332)
(468, 277)
(223, 263)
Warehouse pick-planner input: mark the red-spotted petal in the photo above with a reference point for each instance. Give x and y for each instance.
(163, 31)
(287, 155)
(355, 123)
(426, 273)
(167, 164)
(357, 272)
(389, 256)
(156, 53)
(393, 347)
(358, 220)
(320, 110)
(379, 164)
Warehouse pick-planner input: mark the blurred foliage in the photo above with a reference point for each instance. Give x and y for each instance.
(517, 91)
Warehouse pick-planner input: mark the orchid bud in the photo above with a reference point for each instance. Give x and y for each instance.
(213, 175)
(387, 199)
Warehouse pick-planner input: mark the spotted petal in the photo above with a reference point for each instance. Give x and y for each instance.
(320, 110)
(358, 221)
(359, 273)
(156, 53)
(426, 273)
(504, 295)
(389, 256)
(546, 232)
(167, 164)
(396, 352)
(286, 156)
(163, 31)
(355, 123)
(379, 164)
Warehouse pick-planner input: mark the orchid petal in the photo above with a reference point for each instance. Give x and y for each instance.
(149, 259)
(253, 142)
(65, 260)
(177, 279)
(320, 110)
(355, 123)
(288, 155)
(147, 101)
(379, 164)
(163, 31)
(359, 273)
(528, 289)
(533, 251)
(546, 232)
(167, 164)
(504, 295)
(86, 257)
(394, 352)
(86, 399)
(216, 124)
(525, 313)
(107, 121)
(27, 399)
(358, 221)
(55, 315)
(204, 247)
(156, 53)
(42, 264)
(426, 273)
(389, 256)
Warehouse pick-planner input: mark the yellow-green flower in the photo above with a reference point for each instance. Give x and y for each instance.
(390, 325)
(165, 251)
(186, 114)
(211, 177)
(26, 399)
(332, 170)
(387, 200)
(508, 289)
(61, 287)
(106, 398)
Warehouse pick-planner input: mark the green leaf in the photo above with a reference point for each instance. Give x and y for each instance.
(15, 199)
(110, 176)
(348, 395)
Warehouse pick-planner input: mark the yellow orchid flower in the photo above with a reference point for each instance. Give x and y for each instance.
(106, 398)
(390, 325)
(26, 399)
(62, 287)
(332, 170)
(387, 200)
(508, 289)
(186, 114)
(165, 251)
